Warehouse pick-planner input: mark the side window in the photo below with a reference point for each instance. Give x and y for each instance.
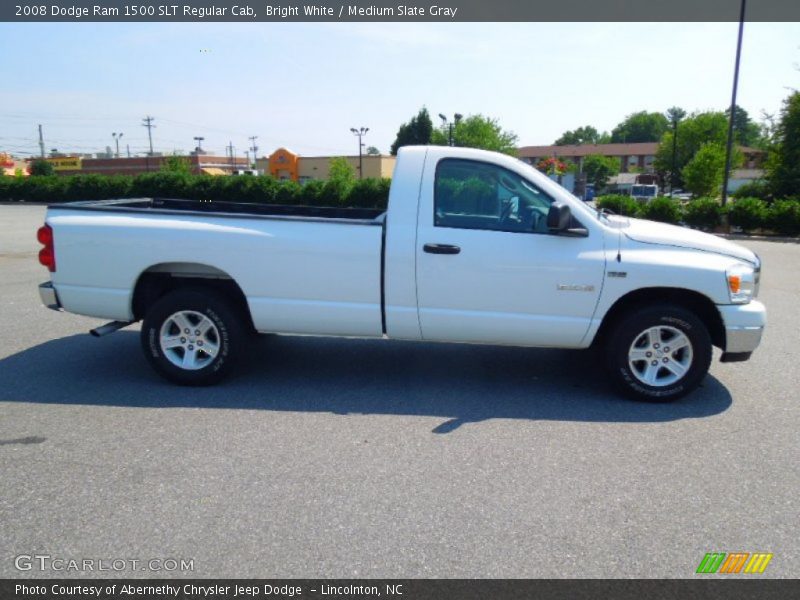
(470, 194)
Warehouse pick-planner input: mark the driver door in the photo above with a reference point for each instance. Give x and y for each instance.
(487, 268)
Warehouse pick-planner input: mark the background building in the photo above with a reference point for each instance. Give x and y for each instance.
(285, 164)
(200, 163)
(639, 157)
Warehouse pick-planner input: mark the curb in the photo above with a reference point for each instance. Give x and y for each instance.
(759, 238)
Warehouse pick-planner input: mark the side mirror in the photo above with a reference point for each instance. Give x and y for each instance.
(558, 217)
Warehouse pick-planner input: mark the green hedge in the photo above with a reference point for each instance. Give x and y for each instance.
(663, 209)
(619, 204)
(783, 216)
(703, 213)
(780, 216)
(364, 193)
(748, 213)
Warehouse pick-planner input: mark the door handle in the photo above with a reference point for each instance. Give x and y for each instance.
(441, 249)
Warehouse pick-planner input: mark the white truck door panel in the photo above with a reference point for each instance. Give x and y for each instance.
(488, 271)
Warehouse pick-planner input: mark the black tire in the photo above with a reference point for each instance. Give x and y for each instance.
(227, 335)
(629, 339)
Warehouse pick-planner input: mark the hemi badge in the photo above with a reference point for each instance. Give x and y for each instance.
(620, 274)
(574, 288)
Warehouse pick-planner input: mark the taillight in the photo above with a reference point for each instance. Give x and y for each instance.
(47, 255)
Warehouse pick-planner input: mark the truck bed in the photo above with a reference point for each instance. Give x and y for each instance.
(302, 269)
(234, 209)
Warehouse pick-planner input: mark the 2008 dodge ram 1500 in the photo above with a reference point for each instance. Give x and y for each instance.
(474, 247)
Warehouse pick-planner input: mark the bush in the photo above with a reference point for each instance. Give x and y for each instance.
(313, 193)
(753, 189)
(363, 193)
(619, 204)
(663, 209)
(784, 217)
(95, 187)
(42, 168)
(370, 193)
(703, 213)
(748, 213)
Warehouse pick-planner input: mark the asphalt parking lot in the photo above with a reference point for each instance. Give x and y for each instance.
(354, 458)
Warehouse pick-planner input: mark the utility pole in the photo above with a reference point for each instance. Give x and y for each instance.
(729, 147)
(41, 141)
(360, 132)
(128, 149)
(148, 122)
(230, 151)
(254, 148)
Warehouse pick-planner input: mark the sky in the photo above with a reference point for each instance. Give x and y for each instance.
(304, 85)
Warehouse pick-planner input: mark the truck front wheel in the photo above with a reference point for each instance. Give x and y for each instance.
(658, 353)
(192, 336)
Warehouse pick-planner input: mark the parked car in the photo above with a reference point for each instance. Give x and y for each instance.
(475, 247)
(680, 195)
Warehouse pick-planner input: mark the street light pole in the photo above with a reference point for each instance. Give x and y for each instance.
(360, 132)
(117, 137)
(729, 147)
(674, 114)
(199, 140)
(449, 125)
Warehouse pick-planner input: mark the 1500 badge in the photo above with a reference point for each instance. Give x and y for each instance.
(562, 287)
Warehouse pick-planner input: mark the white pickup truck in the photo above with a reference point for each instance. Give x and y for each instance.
(475, 247)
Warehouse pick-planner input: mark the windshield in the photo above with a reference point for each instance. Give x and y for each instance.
(579, 206)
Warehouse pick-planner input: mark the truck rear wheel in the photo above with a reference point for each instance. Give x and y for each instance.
(192, 336)
(658, 353)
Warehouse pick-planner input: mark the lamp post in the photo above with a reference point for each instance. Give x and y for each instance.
(199, 140)
(729, 146)
(674, 114)
(449, 125)
(117, 137)
(359, 133)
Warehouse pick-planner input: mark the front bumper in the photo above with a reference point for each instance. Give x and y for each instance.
(744, 326)
(49, 296)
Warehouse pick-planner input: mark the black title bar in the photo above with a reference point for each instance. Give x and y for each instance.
(707, 588)
(398, 11)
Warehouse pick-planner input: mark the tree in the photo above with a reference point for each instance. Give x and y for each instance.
(693, 132)
(745, 131)
(177, 164)
(42, 167)
(417, 131)
(582, 135)
(703, 174)
(599, 169)
(341, 171)
(640, 127)
(373, 151)
(477, 131)
(767, 130)
(783, 166)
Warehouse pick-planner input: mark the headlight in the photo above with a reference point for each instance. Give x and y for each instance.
(741, 283)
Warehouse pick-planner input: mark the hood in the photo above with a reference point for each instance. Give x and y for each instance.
(651, 232)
